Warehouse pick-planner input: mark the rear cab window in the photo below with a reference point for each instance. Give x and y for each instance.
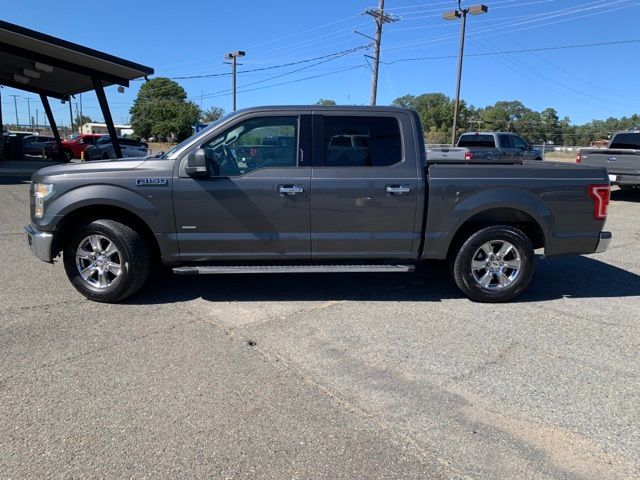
(353, 141)
(471, 140)
(629, 140)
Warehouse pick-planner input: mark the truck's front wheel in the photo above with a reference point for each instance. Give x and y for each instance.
(495, 264)
(106, 261)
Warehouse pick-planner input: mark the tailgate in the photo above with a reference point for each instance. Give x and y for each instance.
(446, 153)
(617, 162)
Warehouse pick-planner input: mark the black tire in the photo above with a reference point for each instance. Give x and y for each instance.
(132, 256)
(68, 155)
(105, 156)
(463, 274)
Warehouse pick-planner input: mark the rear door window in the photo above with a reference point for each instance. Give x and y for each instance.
(361, 141)
(626, 140)
(505, 141)
(470, 140)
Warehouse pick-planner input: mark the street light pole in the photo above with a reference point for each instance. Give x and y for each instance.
(233, 56)
(454, 15)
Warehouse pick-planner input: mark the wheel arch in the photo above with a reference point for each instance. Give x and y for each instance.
(89, 213)
(500, 216)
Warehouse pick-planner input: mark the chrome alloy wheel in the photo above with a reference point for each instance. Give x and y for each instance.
(496, 264)
(98, 261)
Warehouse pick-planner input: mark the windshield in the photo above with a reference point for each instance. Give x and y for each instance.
(186, 142)
(74, 137)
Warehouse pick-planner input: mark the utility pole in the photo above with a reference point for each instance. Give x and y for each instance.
(70, 116)
(233, 56)
(81, 115)
(29, 111)
(381, 18)
(15, 104)
(454, 15)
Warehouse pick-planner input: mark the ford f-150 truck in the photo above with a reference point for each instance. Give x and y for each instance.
(621, 158)
(508, 147)
(376, 206)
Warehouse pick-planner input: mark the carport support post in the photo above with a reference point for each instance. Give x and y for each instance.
(52, 123)
(104, 106)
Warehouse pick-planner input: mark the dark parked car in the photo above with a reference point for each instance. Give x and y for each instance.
(36, 144)
(202, 210)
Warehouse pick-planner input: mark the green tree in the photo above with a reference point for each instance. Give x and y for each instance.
(326, 102)
(161, 109)
(212, 114)
(436, 114)
(552, 127)
(81, 120)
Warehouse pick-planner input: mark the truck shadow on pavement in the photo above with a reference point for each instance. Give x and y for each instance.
(626, 195)
(569, 277)
(15, 179)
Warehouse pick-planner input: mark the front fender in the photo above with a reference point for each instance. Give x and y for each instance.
(147, 207)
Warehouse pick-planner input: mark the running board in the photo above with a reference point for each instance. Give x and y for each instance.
(292, 269)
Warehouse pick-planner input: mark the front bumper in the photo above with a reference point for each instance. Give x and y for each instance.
(40, 243)
(603, 243)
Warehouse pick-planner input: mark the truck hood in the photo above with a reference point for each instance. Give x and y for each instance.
(94, 166)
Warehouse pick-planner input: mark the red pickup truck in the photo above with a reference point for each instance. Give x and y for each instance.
(74, 146)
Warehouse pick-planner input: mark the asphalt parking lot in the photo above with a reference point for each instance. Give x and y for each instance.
(322, 376)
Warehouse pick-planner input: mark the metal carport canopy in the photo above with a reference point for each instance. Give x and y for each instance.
(53, 67)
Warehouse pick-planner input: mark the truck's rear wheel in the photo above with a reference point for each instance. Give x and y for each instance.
(107, 261)
(495, 264)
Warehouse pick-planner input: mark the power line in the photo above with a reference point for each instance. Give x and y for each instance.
(533, 18)
(354, 67)
(211, 75)
(506, 52)
(212, 94)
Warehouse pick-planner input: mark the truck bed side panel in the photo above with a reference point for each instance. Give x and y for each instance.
(555, 198)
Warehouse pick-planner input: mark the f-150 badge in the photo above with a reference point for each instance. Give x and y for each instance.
(150, 182)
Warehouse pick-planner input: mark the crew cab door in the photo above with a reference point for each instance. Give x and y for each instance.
(365, 186)
(520, 147)
(506, 147)
(254, 202)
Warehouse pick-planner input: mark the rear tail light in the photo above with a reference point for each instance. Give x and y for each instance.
(578, 157)
(600, 195)
(468, 155)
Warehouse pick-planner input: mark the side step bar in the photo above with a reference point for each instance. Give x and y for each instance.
(292, 269)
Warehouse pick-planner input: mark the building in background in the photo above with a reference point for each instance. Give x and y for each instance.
(101, 129)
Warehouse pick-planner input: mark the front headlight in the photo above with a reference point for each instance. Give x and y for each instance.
(41, 191)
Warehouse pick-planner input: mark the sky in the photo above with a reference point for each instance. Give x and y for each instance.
(419, 52)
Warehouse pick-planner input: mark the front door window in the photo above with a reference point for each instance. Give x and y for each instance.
(256, 143)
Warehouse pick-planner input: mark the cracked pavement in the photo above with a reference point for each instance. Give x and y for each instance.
(322, 376)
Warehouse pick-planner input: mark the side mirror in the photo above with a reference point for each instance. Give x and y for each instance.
(197, 164)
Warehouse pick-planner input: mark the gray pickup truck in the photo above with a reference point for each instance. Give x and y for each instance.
(501, 147)
(375, 206)
(621, 158)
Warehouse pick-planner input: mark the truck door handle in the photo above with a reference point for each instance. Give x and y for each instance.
(290, 189)
(398, 189)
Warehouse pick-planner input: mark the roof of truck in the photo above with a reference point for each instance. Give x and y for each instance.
(351, 108)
